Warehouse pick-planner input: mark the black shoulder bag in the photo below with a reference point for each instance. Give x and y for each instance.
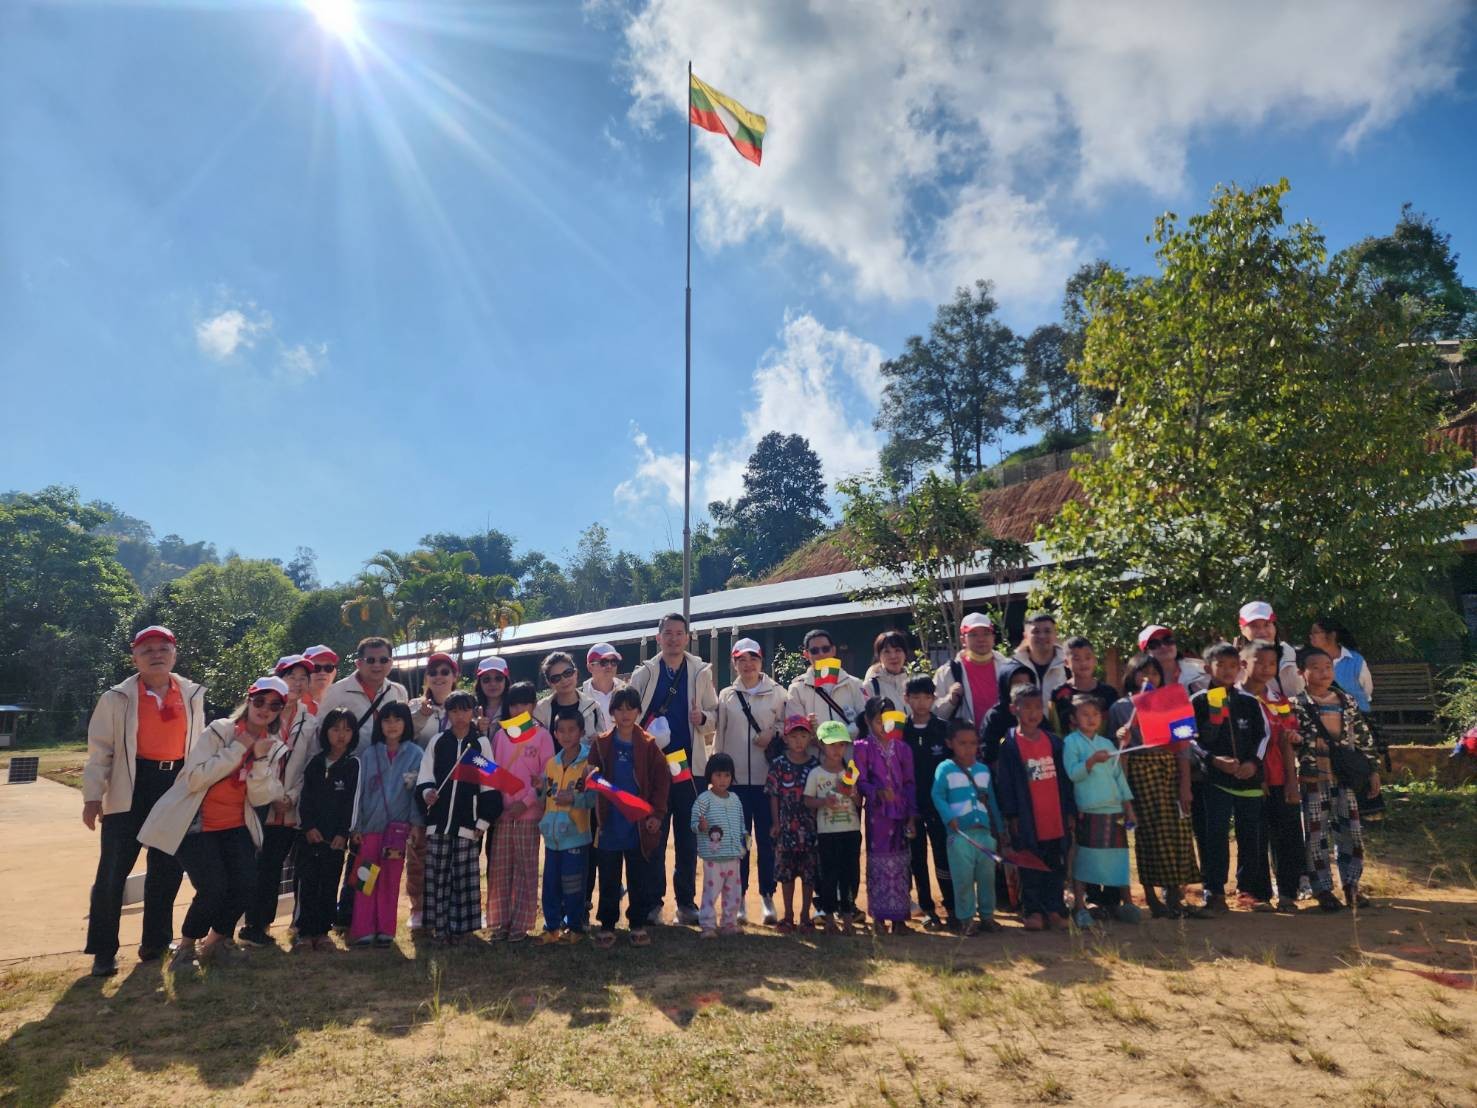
(776, 745)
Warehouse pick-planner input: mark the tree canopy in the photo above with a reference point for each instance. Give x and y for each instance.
(783, 505)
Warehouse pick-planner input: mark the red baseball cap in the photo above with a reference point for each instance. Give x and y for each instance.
(321, 655)
(1153, 631)
(442, 656)
(154, 631)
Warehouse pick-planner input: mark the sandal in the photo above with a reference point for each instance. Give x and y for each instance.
(785, 926)
(640, 938)
(806, 924)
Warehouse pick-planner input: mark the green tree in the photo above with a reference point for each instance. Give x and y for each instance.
(921, 548)
(319, 619)
(64, 601)
(1271, 438)
(1416, 266)
(443, 597)
(492, 548)
(373, 606)
(783, 505)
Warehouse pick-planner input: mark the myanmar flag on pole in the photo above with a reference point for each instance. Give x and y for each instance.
(677, 763)
(712, 111)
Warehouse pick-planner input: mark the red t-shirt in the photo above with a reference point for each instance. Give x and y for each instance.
(984, 686)
(1046, 799)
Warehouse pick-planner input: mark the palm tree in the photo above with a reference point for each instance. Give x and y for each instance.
(377, 604)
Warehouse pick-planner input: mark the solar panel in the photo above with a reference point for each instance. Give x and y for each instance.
(24, 770)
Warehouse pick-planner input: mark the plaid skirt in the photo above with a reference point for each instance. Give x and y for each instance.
(453, 902)
(1163, 844)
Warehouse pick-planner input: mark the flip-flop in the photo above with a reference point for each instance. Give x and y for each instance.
(640, 938)
(605, 939)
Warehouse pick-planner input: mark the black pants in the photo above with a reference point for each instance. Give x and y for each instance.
(1252, 878)
(277, 844)
(1284, 829)
(839, 871)
(1042, 892)
(935, 835)
(319, 867)
(642, 874)
(119, 850)
(679, 823)
(222, 867)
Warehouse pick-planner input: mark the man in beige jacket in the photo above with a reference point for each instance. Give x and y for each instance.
(137, 739)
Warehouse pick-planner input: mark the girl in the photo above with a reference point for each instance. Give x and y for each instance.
(565, 827)
(1350, 670)
(208, 818)
(512, 886)
(837, 808)
(750, 713)
(887, 786)
(325, 818)
(457, 813)
(1159, 779)
(1104, 812)
(718, 821)
(429, 712)
(792, 824)
(563, 678)
(385, 816)
(298, 728)
(888, 675)
(1328, 719)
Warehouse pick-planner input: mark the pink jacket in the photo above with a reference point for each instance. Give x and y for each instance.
(526, 760)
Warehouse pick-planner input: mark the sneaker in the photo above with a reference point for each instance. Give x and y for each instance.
(1305, 889)
(989, 925)
(149, 954)
(184, 957)
(1082, 918)
(770, 915)
(1034, 922)
(707, 933)
(743, 913)
(1127, 913)
(549, 938)
(971, 929)
(384, 940)
(1328, 902)
(417, 921)
(687, 916)
(364, 942)
(254, 937)
(104, 965)
(933, 923)
(654, 917)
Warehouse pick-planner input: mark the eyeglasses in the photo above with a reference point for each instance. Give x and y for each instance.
(440, 671)
(324, 668)
(819, 651)
(1162, 640)
(563, 675)
(493, 676)
(376, 661)
(606, 662)
(271, 703)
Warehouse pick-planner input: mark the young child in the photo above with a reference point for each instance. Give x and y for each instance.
(385, 816)
(837, 808)
(927, 739)
(1000, 719)
(1282, 807)
(457, 814)
(1082, 665)
(718, 819)
(1035, 798)
(628, 758)
(886, 783)
(792, 824)
(565, 827)
(1233, 732)
(963, 795)
(1104, 812)
(512, 894)
(325, 813)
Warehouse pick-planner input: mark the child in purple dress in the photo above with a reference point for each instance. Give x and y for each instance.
(886, 784)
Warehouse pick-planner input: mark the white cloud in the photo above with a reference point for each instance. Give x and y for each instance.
(657, 476)
(224, 334)
(922, 146)
(303, 360)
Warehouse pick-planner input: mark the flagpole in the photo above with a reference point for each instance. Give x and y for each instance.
(687, 388)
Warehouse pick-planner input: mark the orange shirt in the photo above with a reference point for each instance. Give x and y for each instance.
(162, 731)
(224, 806)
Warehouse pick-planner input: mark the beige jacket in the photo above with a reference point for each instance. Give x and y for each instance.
(596, 721)
(302, 743)
(349, 694)
(878, 682)
(943, 683)
(214, 758)
(112, 741)
(700, 693)
(847, 692)
(736, 738)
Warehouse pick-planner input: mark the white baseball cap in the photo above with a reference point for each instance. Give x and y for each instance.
(602, 650)
(492, 665)
(268, 684)
(287, 661)
(747, 646)
(1255, 610)
(974, 620)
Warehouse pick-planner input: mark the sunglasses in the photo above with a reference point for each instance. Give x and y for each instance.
(605, 662)
(323, 668)
(493, 676)
(819, 651)
(270, 702)
(563, 675)
(1162, 640)
(440, 671)
(376, 661)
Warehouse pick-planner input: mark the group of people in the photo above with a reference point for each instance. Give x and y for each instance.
(1018, 777)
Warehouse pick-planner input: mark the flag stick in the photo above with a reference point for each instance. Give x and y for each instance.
(687, 388)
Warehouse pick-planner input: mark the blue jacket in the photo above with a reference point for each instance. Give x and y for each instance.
(1013, 790)
(384, 797)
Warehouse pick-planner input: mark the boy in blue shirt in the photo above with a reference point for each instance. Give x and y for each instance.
(964, 796)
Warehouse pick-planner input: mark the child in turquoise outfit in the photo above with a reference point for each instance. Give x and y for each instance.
(1104, 812)
(964, 795)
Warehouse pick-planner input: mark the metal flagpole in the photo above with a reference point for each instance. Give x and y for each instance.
(687, 387)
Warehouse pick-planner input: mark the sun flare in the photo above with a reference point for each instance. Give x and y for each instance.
(338, 17)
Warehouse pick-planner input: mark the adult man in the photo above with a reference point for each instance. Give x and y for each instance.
(1259, 624)
(367, 689)
(325, 669)
(842, 701)
(969, 685)
(136, 742)
(603, 661)
(1043, 655)
(678, 687)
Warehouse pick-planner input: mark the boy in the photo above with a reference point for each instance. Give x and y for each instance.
(565, 827)
(927, 737)
(1082, 665)
(718, 819)
(964, 795)
(1282, 810)
(792, 824)
(1035, 797)
(837, 808)
(1234, 734)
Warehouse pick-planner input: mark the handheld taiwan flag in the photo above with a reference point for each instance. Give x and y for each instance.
(892, 722)
(712, 111)
(1164, 715)
(630, 805)
(478, 769)
(827, 671)
(520, 728)
(851, 774)
(677, 763)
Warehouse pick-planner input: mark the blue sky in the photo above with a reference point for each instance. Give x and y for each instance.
(268, 287)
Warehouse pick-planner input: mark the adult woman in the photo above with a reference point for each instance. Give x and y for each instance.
(325, 672)
(208, 818)
(429, 713)
(1158, 643)
(563, 677)
(385, 817)
(492, 683)
(299, 730)
(1164, 845)
(888, 674)
(1350, 670)
(750, 714)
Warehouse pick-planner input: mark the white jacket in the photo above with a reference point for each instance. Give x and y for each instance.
(432, 725)
(596, 721)
(1057, 672)
(348, 693)
(214, 758)
(600, 698)
(700, 693)
(112, 741)
(847, 692)
(737, 739)
(943, 681)
(301, 740)
(878, 682)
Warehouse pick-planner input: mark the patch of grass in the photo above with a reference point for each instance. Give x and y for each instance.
(1440, 1023)
(1051, 1090)
(1324, 1061)
(1130, 1049)
(1104, 1002)
(1011, 1058)
(1404, 847)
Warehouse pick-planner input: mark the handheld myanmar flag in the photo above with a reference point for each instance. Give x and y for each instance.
(520, 728)
(827, 671)
(631, 806)
(1216, 698)
(851, 774)
(892, 722)
(677, 763)
(712, 111)
(478, 769)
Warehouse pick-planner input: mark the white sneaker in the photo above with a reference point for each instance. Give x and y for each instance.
(770, 915)
(417, 920)
(687, 916)
(654, 917)
(743, 913)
